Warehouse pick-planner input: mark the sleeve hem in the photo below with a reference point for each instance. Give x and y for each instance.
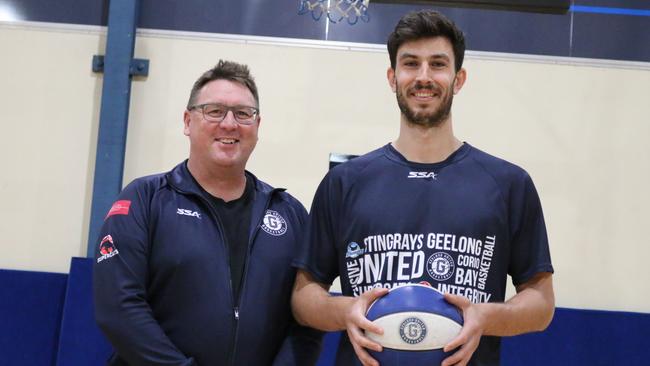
(319, 277)
(525, 277)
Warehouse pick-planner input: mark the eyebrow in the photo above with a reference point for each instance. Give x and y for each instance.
(434, 56)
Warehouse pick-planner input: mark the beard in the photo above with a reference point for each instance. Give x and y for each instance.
(433, 119)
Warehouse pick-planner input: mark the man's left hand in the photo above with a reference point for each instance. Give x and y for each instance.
(470, 335)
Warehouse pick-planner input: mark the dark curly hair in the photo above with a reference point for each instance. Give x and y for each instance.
(426, 24)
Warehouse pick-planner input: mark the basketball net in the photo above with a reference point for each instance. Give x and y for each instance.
(336, 10)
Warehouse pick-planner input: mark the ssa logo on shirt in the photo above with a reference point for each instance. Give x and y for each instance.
(423, 175)
(184, 212)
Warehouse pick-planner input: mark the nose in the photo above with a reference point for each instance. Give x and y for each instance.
(424, 74)
(228, 122)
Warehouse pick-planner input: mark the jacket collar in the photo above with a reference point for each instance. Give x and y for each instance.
(182, 180)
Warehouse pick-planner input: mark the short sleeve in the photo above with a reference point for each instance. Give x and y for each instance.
(530, 252)
(319, 255)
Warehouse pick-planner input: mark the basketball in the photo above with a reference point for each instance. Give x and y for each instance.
(417, 321)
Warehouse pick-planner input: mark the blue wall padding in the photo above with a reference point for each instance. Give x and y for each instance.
(575, 338)
(583, 337)
(31, 304)
(38, 316)
(80, 342)
(330, 345)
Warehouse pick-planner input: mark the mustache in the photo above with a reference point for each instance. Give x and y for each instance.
(430, 87)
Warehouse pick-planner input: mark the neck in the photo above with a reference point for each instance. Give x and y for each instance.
(225, 183)
(427, 145)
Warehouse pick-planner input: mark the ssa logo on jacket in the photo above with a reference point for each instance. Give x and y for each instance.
(184, 212)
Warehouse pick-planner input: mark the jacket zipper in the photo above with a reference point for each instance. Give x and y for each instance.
(232, 299)
(251, 240)
(233, 347)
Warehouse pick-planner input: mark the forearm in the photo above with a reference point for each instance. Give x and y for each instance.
(134, 333)
(313, 305)
(126, 318)
(530, 310)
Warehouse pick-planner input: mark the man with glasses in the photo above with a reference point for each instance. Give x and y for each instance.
(193, 266)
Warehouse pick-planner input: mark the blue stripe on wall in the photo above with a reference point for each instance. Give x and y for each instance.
(607, 10)
(598, 29)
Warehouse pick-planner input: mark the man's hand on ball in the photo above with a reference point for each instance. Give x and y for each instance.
(356, 322)
(469, 336)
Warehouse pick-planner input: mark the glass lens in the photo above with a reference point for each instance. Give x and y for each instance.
(217, 113)
(214, 112)
(244, 113)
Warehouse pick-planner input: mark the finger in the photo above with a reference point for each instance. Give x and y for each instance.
(460, 301)
(374, 294)
(364, 356)
(367, 325)
(357, 336)
(455, 343)
(463, 355)
(460, 358)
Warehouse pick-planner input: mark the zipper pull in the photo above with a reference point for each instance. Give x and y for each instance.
(236, 313)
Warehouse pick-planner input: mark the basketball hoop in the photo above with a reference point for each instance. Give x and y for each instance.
(336, 10)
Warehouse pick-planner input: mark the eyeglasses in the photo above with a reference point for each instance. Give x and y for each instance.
(213, 112)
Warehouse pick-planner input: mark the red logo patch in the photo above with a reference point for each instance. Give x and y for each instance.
(106, 246)
(119, 208)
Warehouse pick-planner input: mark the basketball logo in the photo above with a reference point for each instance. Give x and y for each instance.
(440, 266)
(106, 246)
(354, 250)
(412, 330)
(273, 223)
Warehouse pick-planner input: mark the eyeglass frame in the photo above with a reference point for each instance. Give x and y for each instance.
(256, 112)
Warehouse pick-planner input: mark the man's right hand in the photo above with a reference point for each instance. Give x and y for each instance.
(313, 306)
(356, 322)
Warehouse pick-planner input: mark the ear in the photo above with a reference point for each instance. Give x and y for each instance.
(390, 75)
(186, 123)
(459, 80)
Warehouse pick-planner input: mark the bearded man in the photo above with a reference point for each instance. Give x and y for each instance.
(426, 208)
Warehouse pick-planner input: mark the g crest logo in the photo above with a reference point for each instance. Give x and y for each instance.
(273, 223)
(412, 330)
(440, 266)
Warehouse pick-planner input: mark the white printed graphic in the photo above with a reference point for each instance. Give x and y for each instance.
(423, 175)
(452, 263)
(440, 266)
(184, 212)
(273, 223)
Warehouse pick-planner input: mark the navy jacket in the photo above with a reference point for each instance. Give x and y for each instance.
(162, 285)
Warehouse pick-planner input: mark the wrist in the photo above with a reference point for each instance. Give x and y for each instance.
(342, 306)
(491, 317)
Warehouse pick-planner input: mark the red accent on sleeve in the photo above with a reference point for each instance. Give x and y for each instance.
(119, 208)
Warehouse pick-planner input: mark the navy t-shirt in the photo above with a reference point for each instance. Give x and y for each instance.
(461, 225)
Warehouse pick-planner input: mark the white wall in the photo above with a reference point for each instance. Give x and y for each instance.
(579, 130)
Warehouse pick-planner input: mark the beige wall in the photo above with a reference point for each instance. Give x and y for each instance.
(580, 131)
(49, 112)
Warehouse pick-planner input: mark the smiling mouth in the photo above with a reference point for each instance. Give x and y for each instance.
(227, 141)
(421, 94)
(424, 93)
